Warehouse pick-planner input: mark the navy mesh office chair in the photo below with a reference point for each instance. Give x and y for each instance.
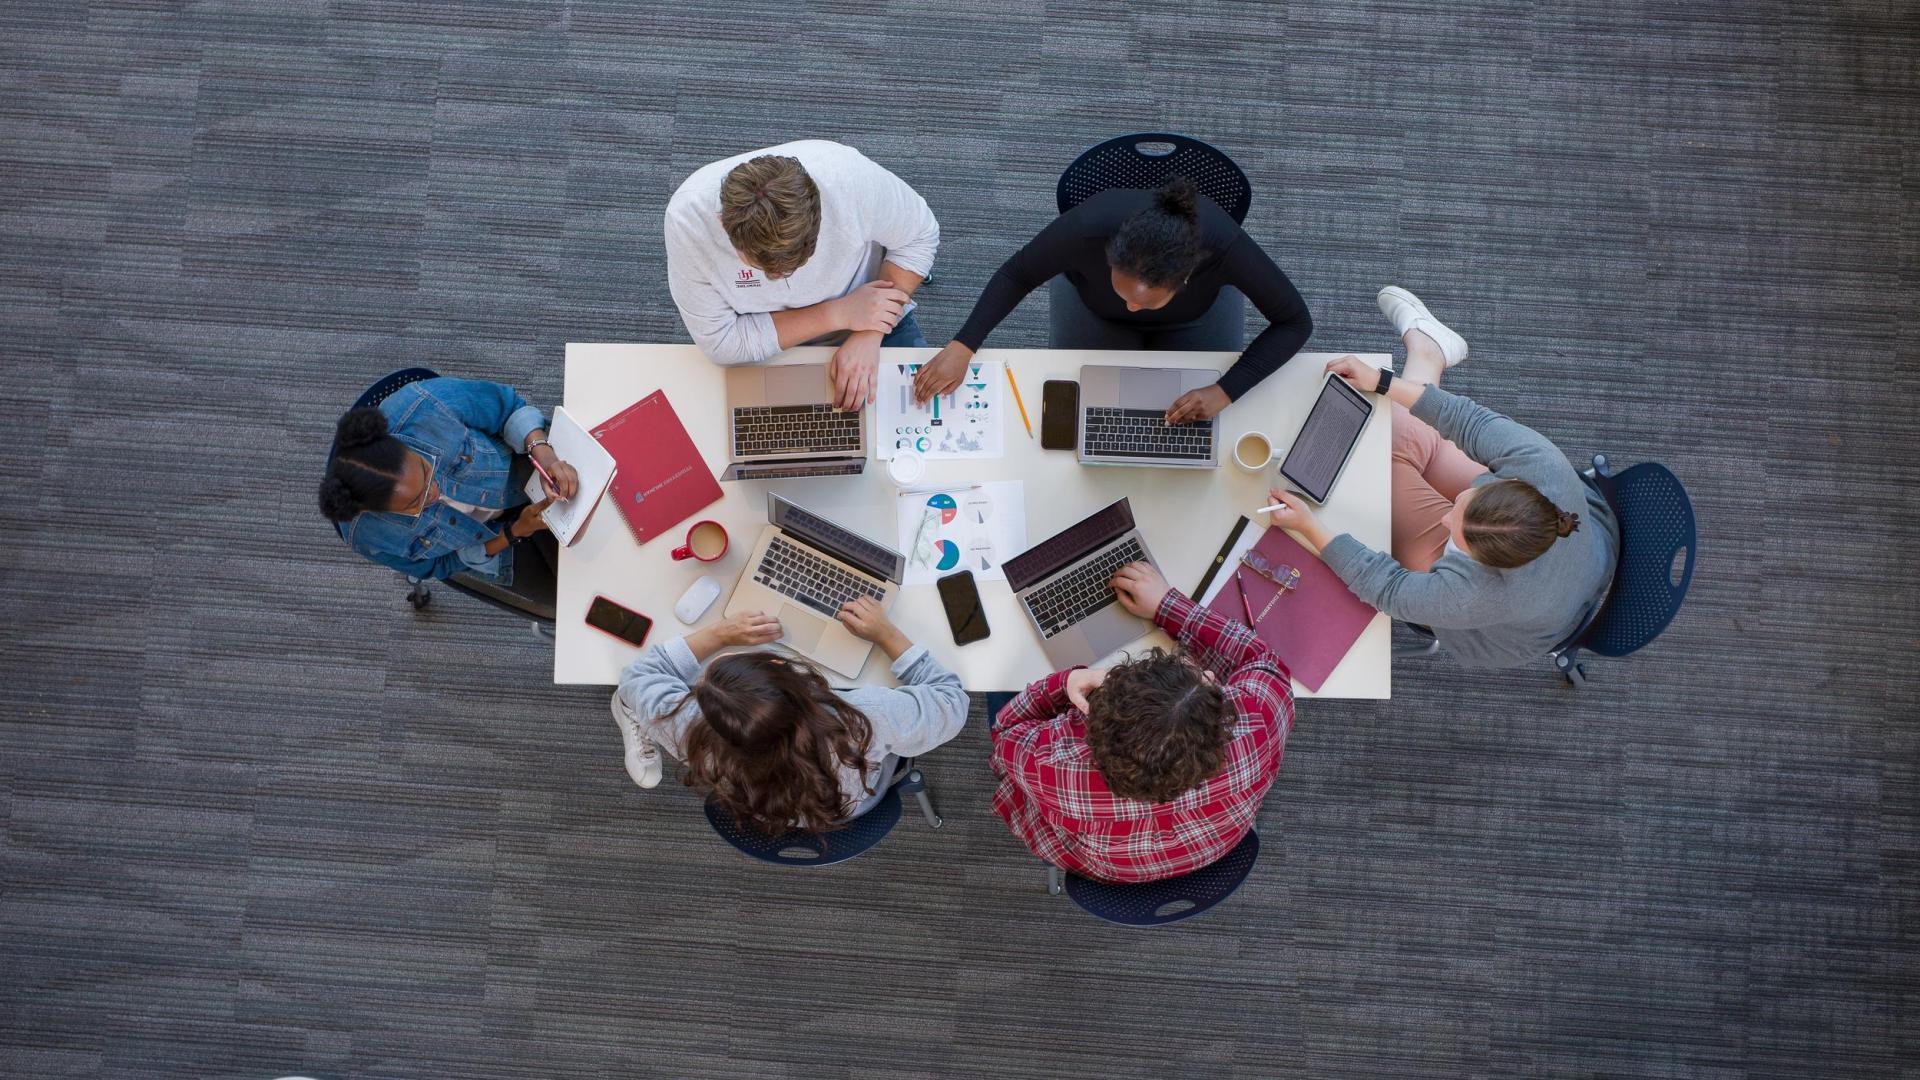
(1659, 545)
(800, 848)
(417, 592)
(1160, 903)
(1145, 161)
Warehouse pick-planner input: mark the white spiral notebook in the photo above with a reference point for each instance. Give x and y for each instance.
(590, 460)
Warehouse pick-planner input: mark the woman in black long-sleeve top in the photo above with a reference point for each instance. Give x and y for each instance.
(1136, 269)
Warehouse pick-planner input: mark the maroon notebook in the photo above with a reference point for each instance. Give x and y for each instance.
(1311, 628)
(660, 480)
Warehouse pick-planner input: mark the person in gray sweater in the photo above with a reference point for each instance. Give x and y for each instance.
(1499, 546)
(764, 735)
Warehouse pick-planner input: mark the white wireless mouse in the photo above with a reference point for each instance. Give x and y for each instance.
(697, 599)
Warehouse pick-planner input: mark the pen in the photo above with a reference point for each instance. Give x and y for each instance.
(1240, 586)
(544, 474)
(1021, 405)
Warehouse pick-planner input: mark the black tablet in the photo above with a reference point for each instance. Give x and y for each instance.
(1326, 440)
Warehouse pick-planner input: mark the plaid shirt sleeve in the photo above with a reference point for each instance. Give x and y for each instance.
(1243, 663)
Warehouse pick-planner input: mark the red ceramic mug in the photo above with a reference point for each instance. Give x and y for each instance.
(706, 541)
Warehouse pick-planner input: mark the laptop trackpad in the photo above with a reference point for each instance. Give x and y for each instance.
(797, 384)
(1110, 628)
(803, 628)
(1148, 389)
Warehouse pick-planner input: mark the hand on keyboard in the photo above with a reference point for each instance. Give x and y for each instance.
(864, 619)
(1140, 587)
(1196, 405)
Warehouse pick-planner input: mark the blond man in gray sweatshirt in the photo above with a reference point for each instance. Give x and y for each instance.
(805, 242)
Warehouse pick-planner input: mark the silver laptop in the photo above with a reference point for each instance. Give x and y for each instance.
(1123, 418)
(1061, 584)
(802, 569)
(781, 422)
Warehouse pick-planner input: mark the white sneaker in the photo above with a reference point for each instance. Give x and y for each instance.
(643, 758)
(1405, 311)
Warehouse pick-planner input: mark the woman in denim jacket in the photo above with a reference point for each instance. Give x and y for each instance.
(425, 483)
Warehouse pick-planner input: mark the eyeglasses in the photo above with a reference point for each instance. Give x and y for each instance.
(1284, 578)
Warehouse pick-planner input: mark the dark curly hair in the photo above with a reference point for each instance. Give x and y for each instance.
(1157, 727)
(1160, 244)
(770, 742)
(367, 461)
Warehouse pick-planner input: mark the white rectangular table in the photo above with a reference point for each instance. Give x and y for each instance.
(1185, 514)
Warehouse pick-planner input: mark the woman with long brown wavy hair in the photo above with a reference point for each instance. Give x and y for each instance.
(766, 737)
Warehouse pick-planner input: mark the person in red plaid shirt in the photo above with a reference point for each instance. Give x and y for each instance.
(1152, 768)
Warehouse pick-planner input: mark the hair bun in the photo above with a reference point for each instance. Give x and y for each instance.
(337, 500)
(360, 427)
(1178, 197)
(1568, 524)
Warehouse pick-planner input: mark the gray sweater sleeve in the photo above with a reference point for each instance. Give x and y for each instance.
(1457, 593)
(925, 710)
(655, 685)
(1511, 449)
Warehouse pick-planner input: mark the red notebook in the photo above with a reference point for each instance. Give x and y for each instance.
(660, 480)
(1313, 626)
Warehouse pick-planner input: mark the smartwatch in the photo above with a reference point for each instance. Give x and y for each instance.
(1386, 380)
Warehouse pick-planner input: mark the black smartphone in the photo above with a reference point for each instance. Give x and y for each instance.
(1059, 414)
(624, 623)
(965, 617)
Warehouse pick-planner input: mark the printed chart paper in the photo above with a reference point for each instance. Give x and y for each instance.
(965, 527)
(968, 423)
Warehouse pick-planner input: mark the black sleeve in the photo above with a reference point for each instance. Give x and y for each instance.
(1046, 255)
(1247, 268)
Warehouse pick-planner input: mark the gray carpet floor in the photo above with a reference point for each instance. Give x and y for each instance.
(258, 817)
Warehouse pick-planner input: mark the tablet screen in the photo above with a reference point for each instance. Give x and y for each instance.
(1327, 437)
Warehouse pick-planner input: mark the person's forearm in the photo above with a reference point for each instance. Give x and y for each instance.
(499, 543)
(904, 280)
(1405, 391)
(802, 324)
(894, 643)
(704, 642)
(1316, 535)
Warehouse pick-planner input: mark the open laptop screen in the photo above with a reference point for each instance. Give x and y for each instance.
(1065, 548)
(850, 547)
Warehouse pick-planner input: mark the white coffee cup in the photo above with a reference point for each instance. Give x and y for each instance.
(907, 467)
(1254, 451)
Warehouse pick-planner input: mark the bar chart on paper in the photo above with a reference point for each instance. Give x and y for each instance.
(967, 423)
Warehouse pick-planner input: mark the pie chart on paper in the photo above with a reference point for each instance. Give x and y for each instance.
(949, 554)
(947, 507)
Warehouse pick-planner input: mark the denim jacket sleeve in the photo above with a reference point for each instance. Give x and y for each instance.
(495, 408)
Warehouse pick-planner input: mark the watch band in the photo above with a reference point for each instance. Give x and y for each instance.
(1386, 380)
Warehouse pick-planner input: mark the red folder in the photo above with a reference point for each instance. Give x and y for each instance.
(660, 480)
(1313, 626)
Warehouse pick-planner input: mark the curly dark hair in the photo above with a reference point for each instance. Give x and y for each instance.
(1160, 244)
(366, 463)
(770, 741)
(1158, 727)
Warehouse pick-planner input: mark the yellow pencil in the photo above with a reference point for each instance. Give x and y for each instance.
(1016, 400)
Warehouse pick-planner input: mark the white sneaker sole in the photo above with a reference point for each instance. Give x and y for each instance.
(1453, 347)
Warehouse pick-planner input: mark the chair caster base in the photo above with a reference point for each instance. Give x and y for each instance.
(419, 598)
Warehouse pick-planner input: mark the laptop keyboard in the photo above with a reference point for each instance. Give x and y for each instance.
(759, 430)
(1115, 432)
(1070, 598)
(791, 570)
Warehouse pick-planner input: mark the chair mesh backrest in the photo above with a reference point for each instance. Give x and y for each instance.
(384, 389)
(800, 848)
(1656, 521)
(1139, 905)
(1145, 161)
